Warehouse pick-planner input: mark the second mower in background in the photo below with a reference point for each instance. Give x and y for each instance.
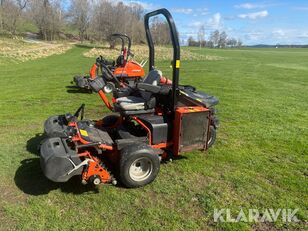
(124, 71)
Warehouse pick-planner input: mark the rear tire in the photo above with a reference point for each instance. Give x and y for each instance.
(212, 136)
(139, 165)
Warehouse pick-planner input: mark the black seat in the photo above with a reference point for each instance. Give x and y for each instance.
(143, 100)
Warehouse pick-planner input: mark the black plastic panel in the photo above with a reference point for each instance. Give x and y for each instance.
(57, 160)
(199, 98)
(90, 133)
(55, 126)
(160, 128)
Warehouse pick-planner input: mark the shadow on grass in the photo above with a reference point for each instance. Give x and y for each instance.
(33, 144)
(75, 89)
(30, 179)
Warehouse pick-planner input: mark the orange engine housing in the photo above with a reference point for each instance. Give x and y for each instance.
(130, 70)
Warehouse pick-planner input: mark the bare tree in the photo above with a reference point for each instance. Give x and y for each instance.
(80, 14)
(239, 43)
(210, 44)
(214, 38)
(1, 14)
(160, 31)
(22, 4)
(201, 35)
(10, 14)
(93, 19)
(231, 42)
(222, 39)
(48, 16)
(109, 18)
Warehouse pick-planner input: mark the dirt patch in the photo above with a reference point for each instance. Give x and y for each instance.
(20, 50)
(142, 53)
(8, 195)
(264, 226)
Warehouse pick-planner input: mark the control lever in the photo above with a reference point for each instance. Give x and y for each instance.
(80, 109)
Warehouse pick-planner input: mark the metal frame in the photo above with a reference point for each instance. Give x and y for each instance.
(176, 50)
(122, 36)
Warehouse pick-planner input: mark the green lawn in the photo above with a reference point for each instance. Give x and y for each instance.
(259, 160)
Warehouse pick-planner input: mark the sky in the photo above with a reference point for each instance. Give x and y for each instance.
(254, 22)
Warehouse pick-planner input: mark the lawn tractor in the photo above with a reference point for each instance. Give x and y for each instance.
(122, 72)
(154, 122)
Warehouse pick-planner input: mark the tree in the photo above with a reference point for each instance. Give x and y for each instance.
(80, 14)
(1, 14)
(214, 38)
(231, 42)
(10, 14)
(239, 43)
(160, 31)
(48, 16)
(210, 44)
(108, 18)
(201, 35)
(222, 40)
(191, 41)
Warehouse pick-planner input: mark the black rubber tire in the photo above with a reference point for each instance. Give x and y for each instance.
(212, 136)
(110, 120)
(132, 153)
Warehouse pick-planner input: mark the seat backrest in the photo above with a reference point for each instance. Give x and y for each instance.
(120, 61)
(152, 78)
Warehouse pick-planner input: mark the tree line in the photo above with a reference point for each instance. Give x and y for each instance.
(91, 20)
(216, 39)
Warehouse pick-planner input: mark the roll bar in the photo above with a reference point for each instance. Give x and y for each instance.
(122, 36)
(176, 49)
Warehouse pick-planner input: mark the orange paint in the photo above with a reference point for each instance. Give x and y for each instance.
(131, 69)
(105, 99)
(93, 71)
(95, 169)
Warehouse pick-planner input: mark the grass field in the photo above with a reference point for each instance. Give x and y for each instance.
(259, 160)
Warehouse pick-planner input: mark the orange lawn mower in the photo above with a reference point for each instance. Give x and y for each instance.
(155, 122)
(122, 72)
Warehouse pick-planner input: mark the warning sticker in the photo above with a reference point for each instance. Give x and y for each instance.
(177, 63)
(83, 132)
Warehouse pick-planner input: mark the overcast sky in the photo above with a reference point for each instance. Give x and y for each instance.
(254, 22)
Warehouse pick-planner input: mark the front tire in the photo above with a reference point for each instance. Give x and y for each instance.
(139, 165)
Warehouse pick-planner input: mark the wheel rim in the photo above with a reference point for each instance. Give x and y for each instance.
(107, 89)
(141, 169)
(96, 181)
